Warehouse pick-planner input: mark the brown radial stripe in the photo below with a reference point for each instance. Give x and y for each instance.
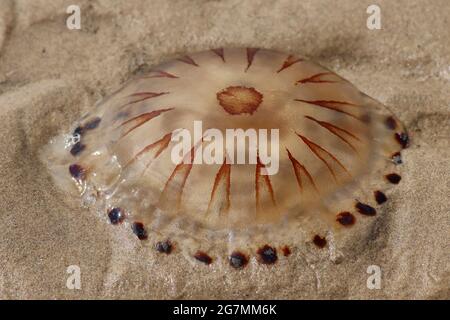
(332, 105)
(250, 56)
(182, 171)
(290, 60)
(298, 169)
(142, 96)
(161, 74)
(219, 52)
(143, 118)
(316, 149)
(316, 79)
(223, 178)
(335, 130)
(266, 180)
(159, 145)
(188, 60)
(180, 174)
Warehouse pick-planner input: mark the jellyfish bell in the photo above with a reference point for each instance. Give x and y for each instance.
(336, 150)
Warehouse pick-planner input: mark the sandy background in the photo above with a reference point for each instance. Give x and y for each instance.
(49, 75)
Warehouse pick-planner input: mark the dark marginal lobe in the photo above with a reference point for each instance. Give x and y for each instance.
(346, 218)
(93, 123)
(286, 251)
(319, 241)
(390, 123)
(77, 172)
(267, 254)
(77, 148)
(238, 260)
(393, 178)
(203, 257)
(139, 230)
(365, 209)
(164, 247)
(380, 197)
(397, 158)
(78, 131)
(403, 139)
(116, 215)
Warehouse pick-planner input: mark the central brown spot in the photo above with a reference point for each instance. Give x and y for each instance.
(239, 100)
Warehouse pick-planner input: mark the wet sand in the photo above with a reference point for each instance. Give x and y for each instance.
(50, 75)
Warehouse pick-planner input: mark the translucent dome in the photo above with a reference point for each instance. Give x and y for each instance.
(329, 144)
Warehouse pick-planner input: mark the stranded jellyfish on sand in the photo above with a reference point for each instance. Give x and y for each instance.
(338, 151)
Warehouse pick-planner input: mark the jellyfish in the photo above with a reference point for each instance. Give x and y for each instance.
(336, 152)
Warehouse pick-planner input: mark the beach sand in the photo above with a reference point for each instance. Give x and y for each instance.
(50, 75)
